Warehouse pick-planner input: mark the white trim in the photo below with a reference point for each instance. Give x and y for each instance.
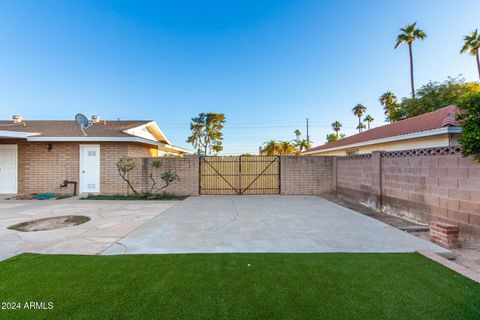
(106, 139)
(14, 146)
(149, 124)
(414, 135)
(80, 166)
(94, 139)
(16, 134)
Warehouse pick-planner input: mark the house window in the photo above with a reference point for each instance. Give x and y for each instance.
(351, 152)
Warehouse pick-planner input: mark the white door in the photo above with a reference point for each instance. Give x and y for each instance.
(89, 168)
(8, 168)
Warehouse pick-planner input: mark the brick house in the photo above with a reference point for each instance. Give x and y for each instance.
(430, 130)
(38, 156)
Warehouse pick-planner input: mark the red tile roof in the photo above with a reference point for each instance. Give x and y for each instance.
(433, 120)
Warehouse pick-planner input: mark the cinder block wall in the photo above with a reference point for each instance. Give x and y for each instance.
(305, 175)
(422, 185)
(187, 169)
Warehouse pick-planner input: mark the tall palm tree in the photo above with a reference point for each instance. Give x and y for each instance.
(368, 119)
(336, 126)
(286, 148)
(297, 134)
(361, 126)
(409, 34)
(270, 148)
(389, 103)
(472, 45)
(359, 110)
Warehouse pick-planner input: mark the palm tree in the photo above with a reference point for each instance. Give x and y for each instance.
(286, 148)
(270, 148)
(368, 119)
(359, 110)
(472, 45)
(336, 126)
(361, 126)
(409, 34)
(389, 103)
(297, 134)
(302, 144)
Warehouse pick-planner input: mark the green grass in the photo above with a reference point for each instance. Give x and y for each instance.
(224, 286)
(139, 196)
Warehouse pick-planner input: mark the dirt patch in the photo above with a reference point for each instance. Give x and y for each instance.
(49, 223)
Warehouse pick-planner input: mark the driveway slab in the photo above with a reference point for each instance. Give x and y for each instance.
(210, 224)
(110, 221)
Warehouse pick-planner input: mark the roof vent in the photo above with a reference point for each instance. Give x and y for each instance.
(17, 119)
(449, 121)
(95, 118)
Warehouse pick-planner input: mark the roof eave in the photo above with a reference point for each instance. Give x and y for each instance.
(414, 135)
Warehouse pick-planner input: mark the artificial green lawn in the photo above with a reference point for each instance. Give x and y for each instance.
(237, 286)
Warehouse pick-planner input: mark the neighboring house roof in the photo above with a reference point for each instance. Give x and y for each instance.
(142, 131)
(440, 121)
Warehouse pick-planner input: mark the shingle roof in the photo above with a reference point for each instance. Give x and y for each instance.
(65, 128)
(440, 118)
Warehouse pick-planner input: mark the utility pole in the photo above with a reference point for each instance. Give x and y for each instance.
(308, 136)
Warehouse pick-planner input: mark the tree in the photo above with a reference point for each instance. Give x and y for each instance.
(332, 137)
(436, 95)
(286, 148)
(302, 144)
(207, 133)
(336, 126)
(270, 148)
(361, 126)
(299, 143)
(409, 34)
(297, 134)
(469, 118)
(124, 165)
(359, 110)
(472, 46)
(368, 119)
(390, 107)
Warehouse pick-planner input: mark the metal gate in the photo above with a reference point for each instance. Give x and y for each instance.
(239, 175)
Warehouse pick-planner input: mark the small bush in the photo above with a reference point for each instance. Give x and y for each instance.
(137, 196)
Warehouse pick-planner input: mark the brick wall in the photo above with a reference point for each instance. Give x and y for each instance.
(422, 185)
(186, 168)
(42, 170)
(306, 175)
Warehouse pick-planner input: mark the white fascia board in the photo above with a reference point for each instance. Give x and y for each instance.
(106, 139)
(16, 134)
(152, 124)
(414, 135)
(93, 139)
(169, 146)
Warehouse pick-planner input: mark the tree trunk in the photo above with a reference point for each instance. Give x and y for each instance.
(411, 70)
(478, 65)
(359, 123)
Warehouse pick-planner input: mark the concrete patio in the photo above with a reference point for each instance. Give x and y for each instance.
(265, 224)
(110, 221)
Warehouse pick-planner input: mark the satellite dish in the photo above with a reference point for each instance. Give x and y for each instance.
(83, 122)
